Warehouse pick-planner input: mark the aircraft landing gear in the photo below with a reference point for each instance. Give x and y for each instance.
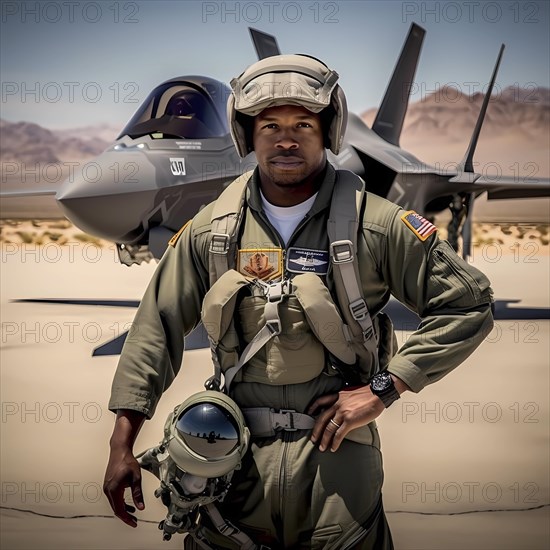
(459, 211)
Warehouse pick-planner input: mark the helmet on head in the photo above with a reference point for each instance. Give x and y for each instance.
(206, 435)
(286, 80)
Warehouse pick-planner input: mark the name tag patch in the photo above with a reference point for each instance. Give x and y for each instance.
(306, 260)
(261, 263)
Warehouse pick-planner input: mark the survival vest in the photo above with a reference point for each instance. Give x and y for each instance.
(358, 346)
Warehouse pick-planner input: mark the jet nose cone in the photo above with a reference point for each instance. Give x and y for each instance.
(106, 200)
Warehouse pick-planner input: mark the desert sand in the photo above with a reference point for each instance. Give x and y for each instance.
(466, 460)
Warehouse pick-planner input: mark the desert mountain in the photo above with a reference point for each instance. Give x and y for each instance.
(30, 143)
(437, 130)
(515, 134)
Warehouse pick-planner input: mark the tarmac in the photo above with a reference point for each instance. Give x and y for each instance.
(466, 460)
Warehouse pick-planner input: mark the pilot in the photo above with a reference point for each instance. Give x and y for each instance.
(179, 106)
(301, 347)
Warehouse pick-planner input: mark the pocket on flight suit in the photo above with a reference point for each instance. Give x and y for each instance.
(326, 535)
(373, 534)
(387, 340)
(461, 284)
(292, 357)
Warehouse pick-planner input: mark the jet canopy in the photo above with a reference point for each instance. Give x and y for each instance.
(186, 108)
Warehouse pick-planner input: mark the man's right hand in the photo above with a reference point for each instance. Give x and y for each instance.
(123, 469)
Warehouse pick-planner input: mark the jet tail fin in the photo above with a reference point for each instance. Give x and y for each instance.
(467, 164)
(391, 114)
(465, 169)
(265, 44)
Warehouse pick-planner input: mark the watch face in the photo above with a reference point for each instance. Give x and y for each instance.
(381, 382)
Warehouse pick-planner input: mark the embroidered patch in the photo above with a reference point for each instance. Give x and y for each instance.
(174, 239)
(305, 260)
(262, 263)
(420, 226)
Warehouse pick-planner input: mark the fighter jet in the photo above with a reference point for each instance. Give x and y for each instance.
(176, 155)
(173, 156)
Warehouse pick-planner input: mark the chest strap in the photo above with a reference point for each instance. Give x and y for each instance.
(320, 312)
(225, 220)
(275, 294)
(342, 228)
(217, 313)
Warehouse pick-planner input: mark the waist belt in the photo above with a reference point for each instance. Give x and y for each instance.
(266, 422)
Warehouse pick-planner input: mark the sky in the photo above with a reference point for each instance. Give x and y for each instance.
(67, 63)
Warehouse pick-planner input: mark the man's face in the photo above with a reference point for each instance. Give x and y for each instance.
(288, 142)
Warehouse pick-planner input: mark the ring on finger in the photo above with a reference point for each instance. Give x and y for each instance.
(334, 423)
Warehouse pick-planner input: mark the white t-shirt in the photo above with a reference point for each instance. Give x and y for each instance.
(285, 219)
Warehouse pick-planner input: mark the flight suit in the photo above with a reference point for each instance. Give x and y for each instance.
(288, 494)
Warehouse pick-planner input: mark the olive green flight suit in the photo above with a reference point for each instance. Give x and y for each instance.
(288, 494)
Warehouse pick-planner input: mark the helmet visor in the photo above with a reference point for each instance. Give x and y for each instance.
(208, 430)
(284, 88)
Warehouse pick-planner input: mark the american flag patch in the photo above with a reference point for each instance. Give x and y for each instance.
(420, 226)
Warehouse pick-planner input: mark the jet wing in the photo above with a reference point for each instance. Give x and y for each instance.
(513, 187)
(36, 204)
(27, 193)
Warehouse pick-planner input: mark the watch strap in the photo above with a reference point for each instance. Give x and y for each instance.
(387, 395)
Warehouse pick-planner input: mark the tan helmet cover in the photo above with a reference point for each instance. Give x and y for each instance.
(198, 464)
(286, 80)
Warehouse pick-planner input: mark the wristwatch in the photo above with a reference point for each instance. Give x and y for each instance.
(382, 385)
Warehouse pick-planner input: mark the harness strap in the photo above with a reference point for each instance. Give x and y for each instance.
(342, 229)
(217, 315)
(218, 302)
(266, 422)
(275, 293)
(226, 528)
(225, 220)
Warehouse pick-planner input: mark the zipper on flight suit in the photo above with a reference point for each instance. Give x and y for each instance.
(278, 239)
(282, 466)
(462, 275)
(282, 470)
(270, 229)
(286, 437)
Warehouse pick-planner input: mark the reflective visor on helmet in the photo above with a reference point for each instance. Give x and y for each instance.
(206, 435)
(208, 430)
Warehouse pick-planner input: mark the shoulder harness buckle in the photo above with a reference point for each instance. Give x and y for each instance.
(219, 243)
(341, 252)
